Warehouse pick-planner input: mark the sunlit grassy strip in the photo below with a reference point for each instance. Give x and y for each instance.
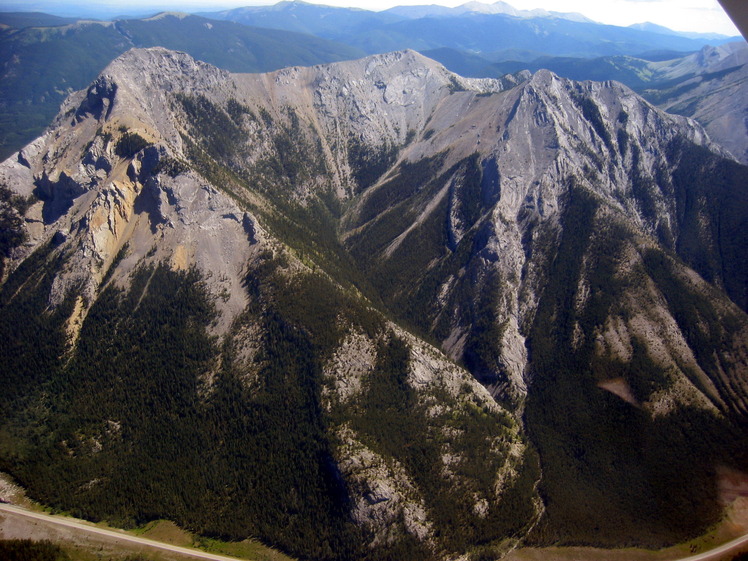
(168, 532)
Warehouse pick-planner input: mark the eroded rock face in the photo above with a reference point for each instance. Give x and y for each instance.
(386, 501)
(102, 198)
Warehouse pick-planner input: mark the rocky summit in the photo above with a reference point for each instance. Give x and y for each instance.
(375, 310)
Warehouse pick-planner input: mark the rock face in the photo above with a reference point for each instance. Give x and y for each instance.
(235, 242)
(710, 86)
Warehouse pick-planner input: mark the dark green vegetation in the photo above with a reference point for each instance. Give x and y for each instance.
(394, 424)
(128, 437)
(12, 234)
(147, 418)
(219, 132)
(611, 469)
(369, 164)
(31, 347)
(704, 184)
(440, 247)
(28, 550)
(129, 144)
(42, 65)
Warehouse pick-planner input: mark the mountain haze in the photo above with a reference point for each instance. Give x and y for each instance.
(375, 310)
(473, 27)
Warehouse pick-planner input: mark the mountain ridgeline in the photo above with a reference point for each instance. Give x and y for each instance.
(44, 58)
(473, 27)
(374, 310)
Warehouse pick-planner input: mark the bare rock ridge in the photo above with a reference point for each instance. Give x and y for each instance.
(255, 245)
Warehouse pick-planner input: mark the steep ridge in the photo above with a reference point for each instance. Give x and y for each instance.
(215, 264)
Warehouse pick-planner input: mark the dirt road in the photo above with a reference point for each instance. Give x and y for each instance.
(720, 553)
(120, 536)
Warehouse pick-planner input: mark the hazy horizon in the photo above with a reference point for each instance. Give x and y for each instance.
(704, 16)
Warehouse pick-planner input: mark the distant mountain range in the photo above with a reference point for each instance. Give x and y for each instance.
(648, 26)
(473, 27)
(482, 8)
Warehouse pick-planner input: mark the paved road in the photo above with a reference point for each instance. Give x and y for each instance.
(73, 523)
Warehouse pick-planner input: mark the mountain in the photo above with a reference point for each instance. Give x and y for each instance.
(329, 21)
(303, 17)
(261, 305)
(21, 20)
(469, 64)
(42, 65)
(648, 26)
(414, 12)
(421, 11)
(664, 70)
(83, 10)
(493, 32)
(473, 27)
(708, 85)
(712, 87)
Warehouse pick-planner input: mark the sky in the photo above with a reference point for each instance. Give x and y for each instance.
(680, 15)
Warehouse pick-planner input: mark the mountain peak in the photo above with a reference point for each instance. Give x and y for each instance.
(161, 64)
(168, 14)
(495, 8)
